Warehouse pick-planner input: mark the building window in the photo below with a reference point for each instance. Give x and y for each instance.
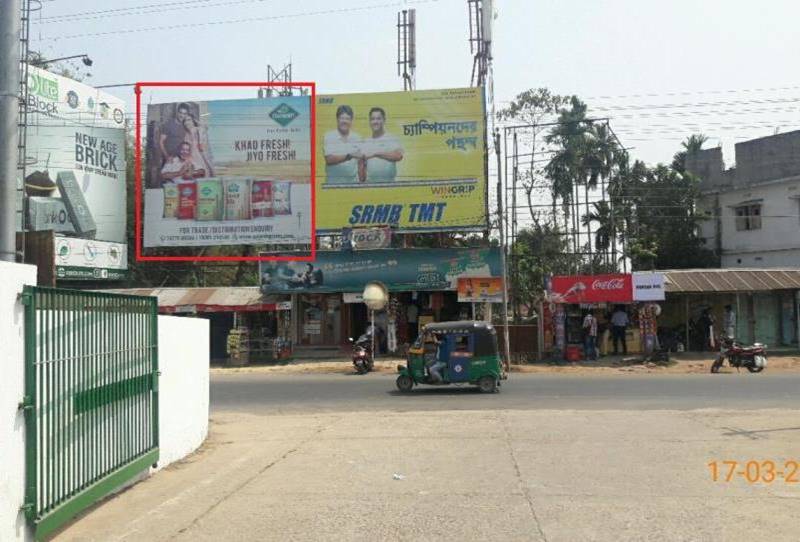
(748, 217)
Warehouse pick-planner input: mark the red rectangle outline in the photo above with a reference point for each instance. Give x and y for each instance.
(138, 173)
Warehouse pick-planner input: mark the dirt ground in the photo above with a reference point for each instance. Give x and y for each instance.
(685, 363)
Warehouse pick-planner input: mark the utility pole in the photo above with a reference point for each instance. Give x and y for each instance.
(10, 27)
(501, 226)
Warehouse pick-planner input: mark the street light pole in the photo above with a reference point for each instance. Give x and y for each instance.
(43, 62)
(500, 224)
(10, 27)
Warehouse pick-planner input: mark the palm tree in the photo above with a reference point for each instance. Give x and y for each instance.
(694, 143)
(603, 217)
(565, 166)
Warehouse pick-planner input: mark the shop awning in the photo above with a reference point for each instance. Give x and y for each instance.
(223, 299)
(730, 280)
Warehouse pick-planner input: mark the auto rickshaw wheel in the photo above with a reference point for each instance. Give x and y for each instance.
(487, 384)
(404, 383)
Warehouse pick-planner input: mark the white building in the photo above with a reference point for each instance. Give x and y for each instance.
(756, 204)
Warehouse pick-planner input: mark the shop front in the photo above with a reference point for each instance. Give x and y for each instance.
(326, 294)
(245, 325)
(763, 305)
(625, 304)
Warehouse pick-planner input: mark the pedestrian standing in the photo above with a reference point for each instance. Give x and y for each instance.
(590, 336)
(729, 322)
(706, 323)
(619, 323)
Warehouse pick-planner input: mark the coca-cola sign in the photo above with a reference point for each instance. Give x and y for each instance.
(592, 289)
(612, 284)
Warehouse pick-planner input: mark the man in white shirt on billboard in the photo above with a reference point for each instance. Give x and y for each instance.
(381, 152)
(342, 150)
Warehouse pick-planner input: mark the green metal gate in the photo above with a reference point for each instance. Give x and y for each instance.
(91, 398)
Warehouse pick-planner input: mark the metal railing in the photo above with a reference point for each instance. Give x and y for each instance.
(91, 398)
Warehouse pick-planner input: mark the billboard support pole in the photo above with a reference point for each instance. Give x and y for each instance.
(500, 224)
(10, 45)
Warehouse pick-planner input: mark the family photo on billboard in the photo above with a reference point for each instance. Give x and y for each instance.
(177, 144)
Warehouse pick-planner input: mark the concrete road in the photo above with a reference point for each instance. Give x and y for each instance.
(260, 393)
(548, 459)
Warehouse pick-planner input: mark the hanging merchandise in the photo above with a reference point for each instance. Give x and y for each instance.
(559, 319)
(392, 310)
(648, 326)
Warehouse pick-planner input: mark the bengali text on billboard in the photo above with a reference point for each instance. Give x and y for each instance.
(412, 160)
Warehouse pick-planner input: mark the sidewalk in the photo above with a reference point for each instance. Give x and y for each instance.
(460, 475)
(684, 363)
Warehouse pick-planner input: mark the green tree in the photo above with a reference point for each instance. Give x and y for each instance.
(584, 156)
(691, 145)
(538, 251)
(665, 226)
(533, 107)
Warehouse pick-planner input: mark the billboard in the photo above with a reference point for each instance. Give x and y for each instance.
(480, 290)
(228, 172)
(413, 160)
(398, 269)
(75, 150)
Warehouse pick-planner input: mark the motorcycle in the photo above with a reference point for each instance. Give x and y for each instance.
(753, 358)
(362, 353)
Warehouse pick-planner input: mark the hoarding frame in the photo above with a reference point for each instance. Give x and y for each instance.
(486, 215)
(137, 149)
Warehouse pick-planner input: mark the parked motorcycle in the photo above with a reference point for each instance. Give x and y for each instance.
(362, 353)
(753, 358)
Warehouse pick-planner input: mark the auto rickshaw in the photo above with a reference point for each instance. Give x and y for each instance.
(466, 351)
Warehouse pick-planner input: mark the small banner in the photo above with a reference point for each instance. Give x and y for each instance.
(480, 290)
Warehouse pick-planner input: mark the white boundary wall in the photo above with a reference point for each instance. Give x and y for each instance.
(12, 387)
(183, 359)
(183, 345)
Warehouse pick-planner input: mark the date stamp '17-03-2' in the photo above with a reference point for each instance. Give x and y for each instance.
(756, 472)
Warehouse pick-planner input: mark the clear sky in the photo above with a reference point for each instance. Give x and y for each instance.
(660, 70)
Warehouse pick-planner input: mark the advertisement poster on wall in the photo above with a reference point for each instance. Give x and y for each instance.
(75, 153)
(398, 269)
(480, 290)
(228, 172)
(89, 259)
(413, 160)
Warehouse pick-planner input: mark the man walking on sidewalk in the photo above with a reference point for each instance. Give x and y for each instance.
(619, 323)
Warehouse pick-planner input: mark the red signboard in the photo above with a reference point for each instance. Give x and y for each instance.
(592, 289)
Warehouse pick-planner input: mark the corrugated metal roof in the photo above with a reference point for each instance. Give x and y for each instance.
(730, 280)
(237, 298)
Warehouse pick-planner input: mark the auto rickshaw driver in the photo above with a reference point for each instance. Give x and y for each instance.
(433, 350)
